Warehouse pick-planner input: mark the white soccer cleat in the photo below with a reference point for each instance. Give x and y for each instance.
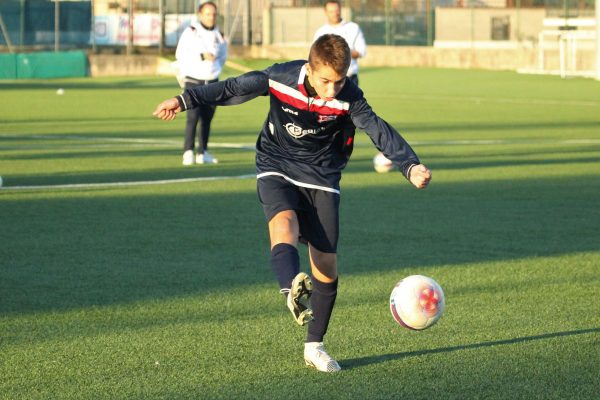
(206, 158)
(188, 157)
(316, 356)
(297, 299)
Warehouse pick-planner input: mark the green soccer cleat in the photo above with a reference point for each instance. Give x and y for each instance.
(297, 299)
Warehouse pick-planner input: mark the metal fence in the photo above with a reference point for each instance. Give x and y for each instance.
(25, 23)
(157, 24)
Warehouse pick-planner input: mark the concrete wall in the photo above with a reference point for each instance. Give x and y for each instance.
(294, 26)
(491, 59)
(408, 56)
(463, 25)
(123, 65)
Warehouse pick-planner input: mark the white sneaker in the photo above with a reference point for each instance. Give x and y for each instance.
(297, 299)
(316, 356)
(188, 157)
(206, 158)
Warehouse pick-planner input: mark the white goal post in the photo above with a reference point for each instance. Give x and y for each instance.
(598, 39)
(569, 36)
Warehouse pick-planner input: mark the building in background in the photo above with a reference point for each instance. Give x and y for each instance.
(561, 34)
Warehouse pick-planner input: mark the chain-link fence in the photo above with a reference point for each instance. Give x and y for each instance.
(44, 24)
(157, 24)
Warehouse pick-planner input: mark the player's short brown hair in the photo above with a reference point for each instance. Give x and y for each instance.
(206, 3)
(339, 3)
(331, 50)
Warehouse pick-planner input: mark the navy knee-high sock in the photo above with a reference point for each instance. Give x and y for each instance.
(285, 262)
(321, 301)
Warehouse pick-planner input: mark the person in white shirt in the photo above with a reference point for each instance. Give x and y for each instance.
(350, 31)
(201, 53)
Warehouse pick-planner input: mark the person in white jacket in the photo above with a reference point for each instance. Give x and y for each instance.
(201, 53)
(350, 31)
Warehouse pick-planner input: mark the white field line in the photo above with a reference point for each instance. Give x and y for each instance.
(237, 66)
(86, 122)
(235, 146)
(125, 140)
(122, 184)
(491, 141)
(581, 141)
(246, 146)
(500, 100)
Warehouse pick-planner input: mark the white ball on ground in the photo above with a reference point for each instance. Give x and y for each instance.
(417, 302)
(382, 164)
(60, 91)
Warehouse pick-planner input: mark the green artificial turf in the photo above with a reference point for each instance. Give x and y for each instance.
(164, 291)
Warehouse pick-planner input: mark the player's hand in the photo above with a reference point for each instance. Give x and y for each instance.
(420, 176)
(208, 56)
(168, 109)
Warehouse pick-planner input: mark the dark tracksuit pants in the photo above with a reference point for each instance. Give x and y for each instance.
(201, 115)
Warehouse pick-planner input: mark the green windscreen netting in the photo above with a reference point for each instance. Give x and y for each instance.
(43, 65)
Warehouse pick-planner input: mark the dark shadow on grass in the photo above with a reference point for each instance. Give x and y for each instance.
(83, 149)
(121, 84)
(49, 136)
(100, 247)
(173, 172)
(364, 361)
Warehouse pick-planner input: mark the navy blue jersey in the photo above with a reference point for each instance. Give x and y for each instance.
(305, 139)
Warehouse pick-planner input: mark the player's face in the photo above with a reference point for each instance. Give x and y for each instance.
(208, 16)
(325, 80)
(333, 12)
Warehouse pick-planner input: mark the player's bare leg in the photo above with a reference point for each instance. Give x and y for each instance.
(323, 266)
(284, 228)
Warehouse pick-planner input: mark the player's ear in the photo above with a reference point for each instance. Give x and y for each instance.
(308, 70)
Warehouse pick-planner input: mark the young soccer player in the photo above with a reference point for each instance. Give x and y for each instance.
(304, 144)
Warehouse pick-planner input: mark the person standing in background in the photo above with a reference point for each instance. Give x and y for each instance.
(201, 53)
(350, 31)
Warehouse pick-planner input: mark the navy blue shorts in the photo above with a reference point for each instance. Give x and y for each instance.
(317, 210)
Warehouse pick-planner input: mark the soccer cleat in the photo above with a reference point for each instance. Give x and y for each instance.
(316, 356)
(188, 157)
(206, 158)
(297, 298)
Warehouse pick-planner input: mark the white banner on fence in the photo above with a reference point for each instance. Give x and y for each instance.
(112, 29)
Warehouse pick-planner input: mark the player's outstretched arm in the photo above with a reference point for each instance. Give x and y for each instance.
(420, 176)
(167, 110)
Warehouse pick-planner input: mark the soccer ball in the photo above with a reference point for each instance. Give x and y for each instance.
(382, 164)
(417, 302)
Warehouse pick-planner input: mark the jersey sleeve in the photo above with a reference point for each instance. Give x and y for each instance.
(221, 48)
(185, 51)
(384, 136)
(229, 92)
(359, 43)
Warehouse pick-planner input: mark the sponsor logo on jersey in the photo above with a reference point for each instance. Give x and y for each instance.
(301, 101)
(287, 110)
(297, 132)
(326, 118)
